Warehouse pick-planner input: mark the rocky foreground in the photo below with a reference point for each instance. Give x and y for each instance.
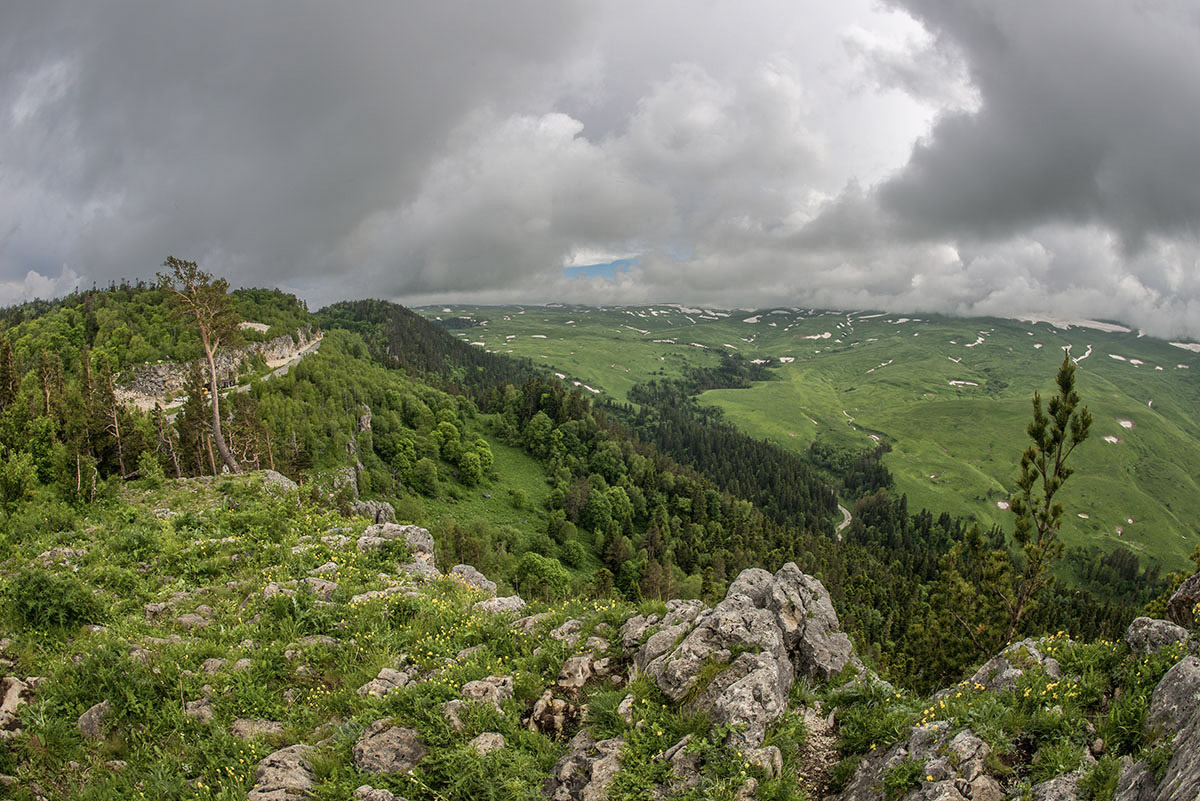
(603, 704)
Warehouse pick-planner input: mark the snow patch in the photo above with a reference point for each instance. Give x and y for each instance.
(786, 359)
(825, 335)
(963, 384)
(537, 336)
(1003, 505)
(1111, 439)
(1194, 347)
(1085, 516)
(1124, 423)
(1111, 328)
(1117, 357)
(753, 319)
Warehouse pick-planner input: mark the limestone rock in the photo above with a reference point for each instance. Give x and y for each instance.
(1146, 635)
(568, 632)
(386, 681)
(384, 748)
(91, 722)
(200, 709)
(16, 694)
(283, 776)
(492, 690)
(1002, 671)
(1181, 609)
(552, 716)
(575, 672)
(768, 630)
(249, 728)
(810, 625)
(321, 588)
(487, 742)
(419, 541)
(366, 792)
(530, 623)
(1061, 788)
(499, 606)
(376, 511)
(277, 482)
(473, 578)
(453, 711)
(586, 771)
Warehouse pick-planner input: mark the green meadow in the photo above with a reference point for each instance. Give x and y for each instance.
(950, 396)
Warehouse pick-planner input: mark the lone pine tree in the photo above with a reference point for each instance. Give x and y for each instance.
(206, 304)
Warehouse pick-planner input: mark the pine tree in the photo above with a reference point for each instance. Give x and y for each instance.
(206, 303)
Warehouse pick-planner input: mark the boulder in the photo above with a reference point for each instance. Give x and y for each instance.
(384, 748)
(487, 742)
(91, 722)
(15, 694)
(500, 606)
(552, 716)
(200, 709)
(277, 482)
(419, 541)
(586, 771)
(491, 690)
(283, 776)
(1146, 635)
(953, 767)
(1061, 788)
(1181, 609)
(575, 672)
(366, 792)
(387, 680)
(468, 575)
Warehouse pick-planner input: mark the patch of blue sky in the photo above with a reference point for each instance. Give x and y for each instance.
(608, 269)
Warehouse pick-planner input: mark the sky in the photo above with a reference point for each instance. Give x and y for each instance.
(970, 157)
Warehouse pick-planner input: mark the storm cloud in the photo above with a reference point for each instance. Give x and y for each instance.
(968, 156)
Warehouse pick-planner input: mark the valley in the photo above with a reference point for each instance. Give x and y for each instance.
(949, 396)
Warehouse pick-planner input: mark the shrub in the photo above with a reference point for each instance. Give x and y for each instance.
(40, 599)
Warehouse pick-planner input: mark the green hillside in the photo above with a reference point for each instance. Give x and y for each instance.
(948, 395)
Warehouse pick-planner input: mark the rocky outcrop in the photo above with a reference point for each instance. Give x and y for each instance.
(952, 767)
(737, 661)
(491, 690)
(1181, 609)
(375, 511)
(1146, 635)
(164, 379)
(468, 575)
(1174, 717)
(283, 776)
(386, 681)
(586, 771)
(1001, 672)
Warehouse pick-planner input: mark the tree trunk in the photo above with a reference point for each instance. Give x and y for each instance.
(222, 448)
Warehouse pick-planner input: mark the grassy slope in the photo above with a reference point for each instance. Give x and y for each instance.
(955, 448)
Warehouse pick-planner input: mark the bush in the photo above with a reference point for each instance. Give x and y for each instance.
(40, 599)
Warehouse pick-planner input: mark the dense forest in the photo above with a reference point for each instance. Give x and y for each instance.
(653, 499)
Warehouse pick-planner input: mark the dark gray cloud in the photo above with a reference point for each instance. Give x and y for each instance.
(965, 156)
(1088, 114)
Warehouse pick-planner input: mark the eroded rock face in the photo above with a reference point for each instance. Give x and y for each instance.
(739, 659)
(419, 541)
(378, 511)
(283, 776)
(384, 748)
(1181, 609)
